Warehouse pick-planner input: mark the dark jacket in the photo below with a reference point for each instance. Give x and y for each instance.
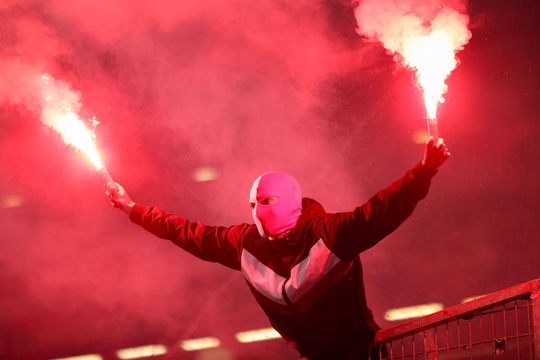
(308, 283)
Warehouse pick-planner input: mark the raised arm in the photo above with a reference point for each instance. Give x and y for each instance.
(210, 243)
(350, 233)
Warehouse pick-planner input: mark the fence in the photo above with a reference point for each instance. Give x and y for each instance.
(501, 325)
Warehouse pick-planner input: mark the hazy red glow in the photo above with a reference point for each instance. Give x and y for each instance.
(244, 87)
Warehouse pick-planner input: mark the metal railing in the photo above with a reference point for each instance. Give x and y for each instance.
(502, 325)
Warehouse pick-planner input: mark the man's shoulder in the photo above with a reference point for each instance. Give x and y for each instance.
(312, 207)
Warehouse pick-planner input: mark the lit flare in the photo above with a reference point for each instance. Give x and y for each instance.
(59, 107)
(424, 36)
(433, 58)
(73, 132)
(431, 53)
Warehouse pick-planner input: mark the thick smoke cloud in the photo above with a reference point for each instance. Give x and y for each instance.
(392, 22)
(199, 75)
(175, 87)
(242, 89)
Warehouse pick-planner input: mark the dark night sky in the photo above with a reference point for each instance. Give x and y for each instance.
(245, 87)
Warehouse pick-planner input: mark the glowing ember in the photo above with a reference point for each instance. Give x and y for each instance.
(60, 104)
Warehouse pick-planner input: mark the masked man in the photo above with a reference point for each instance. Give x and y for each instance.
(301, 263)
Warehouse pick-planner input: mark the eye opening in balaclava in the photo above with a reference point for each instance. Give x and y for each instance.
(276, 200)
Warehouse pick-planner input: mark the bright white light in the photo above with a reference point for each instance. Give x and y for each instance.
(12, 201)
(412, 311)
(200, 343)
(82, 357)
(141, 351)
(470, 298)
(205, 173)
(257, 335)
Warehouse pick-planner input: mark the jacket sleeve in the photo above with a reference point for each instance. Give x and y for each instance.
(350, 233)
(211, 243)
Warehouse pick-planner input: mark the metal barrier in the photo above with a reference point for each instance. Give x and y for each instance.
(501, 325)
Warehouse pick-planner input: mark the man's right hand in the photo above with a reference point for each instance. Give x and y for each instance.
(118, 197)
(435, 154)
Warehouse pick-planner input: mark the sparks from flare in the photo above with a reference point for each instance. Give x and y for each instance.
(75, 133)
(59, 111)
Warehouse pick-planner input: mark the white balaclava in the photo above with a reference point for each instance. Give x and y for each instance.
(276, 198)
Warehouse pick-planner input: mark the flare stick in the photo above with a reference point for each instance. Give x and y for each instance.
(433, 129)
(104, 174)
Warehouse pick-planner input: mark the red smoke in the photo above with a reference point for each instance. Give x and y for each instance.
(244, 87)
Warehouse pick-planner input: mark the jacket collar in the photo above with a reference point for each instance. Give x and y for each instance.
(310, 209)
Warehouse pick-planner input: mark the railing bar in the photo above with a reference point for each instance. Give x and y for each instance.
(505, 332)
(471, 343)
(511, 337)
(517, 328)
(502, 336)
(456, 347)
(478, 343)
(493, 329)
(442, 322)
(482, 332)
(487, 311)
(447, 342)
(413, 347)
(436, 344)
(424, 335)
(459, 338)
(518, 291)
(529, 305)
(470, 338)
